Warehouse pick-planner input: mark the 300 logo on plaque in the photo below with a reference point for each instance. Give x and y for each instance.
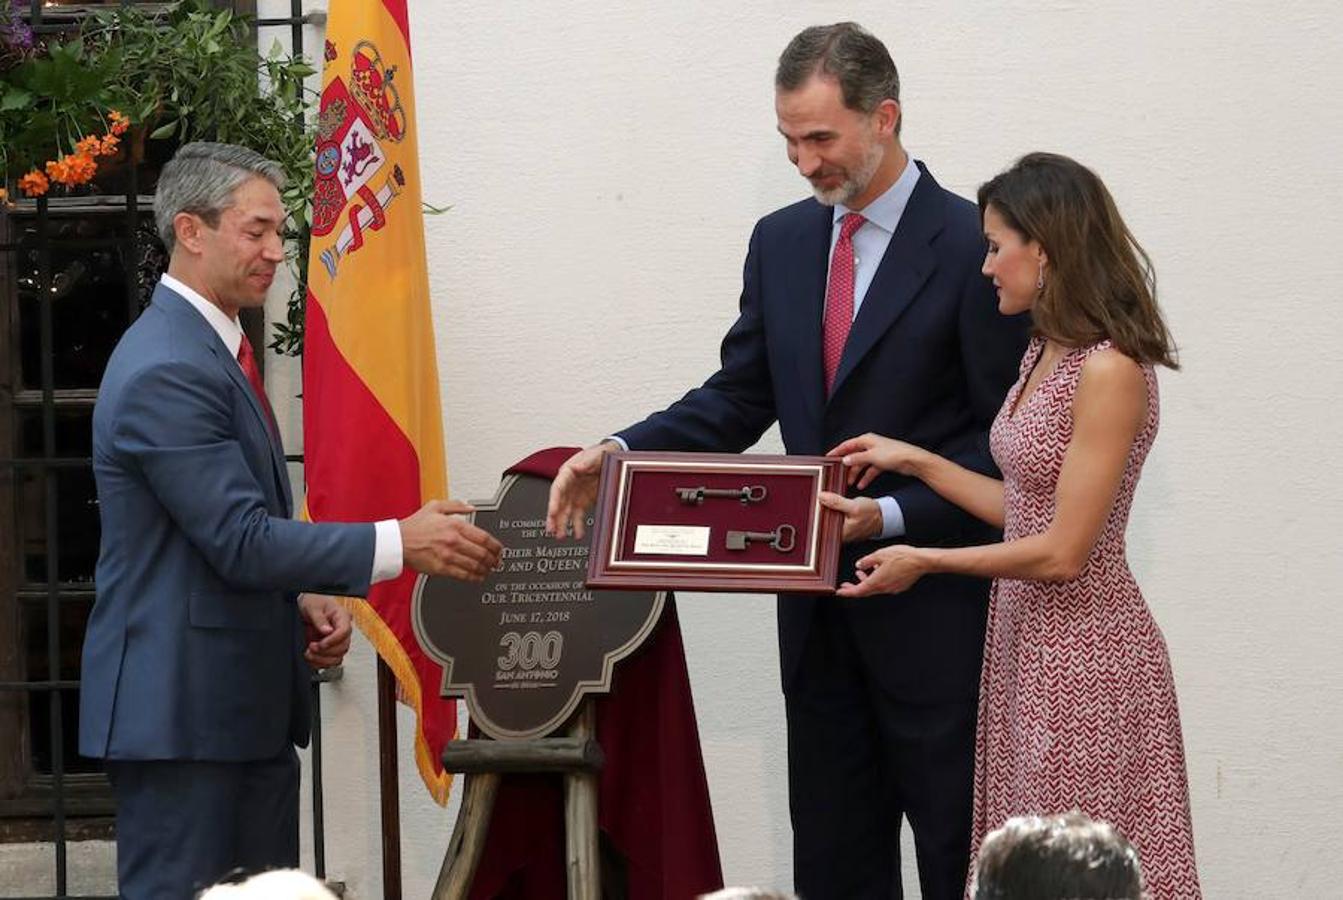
(527, 651)
(520, 680)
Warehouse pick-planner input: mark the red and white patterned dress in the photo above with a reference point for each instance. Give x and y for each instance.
(1077, 702)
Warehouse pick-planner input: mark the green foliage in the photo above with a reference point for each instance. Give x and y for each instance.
(49, 101)
(196, 75)
(190, 73)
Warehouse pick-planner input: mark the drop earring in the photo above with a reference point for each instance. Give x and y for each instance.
(1040, 278)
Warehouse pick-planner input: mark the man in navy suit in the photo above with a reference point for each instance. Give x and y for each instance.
(195, 686)
(862, 310)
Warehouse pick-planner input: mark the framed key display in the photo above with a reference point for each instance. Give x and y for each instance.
(715, 522)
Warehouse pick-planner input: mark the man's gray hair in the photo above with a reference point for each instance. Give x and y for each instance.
(201, 178)
(848, 53)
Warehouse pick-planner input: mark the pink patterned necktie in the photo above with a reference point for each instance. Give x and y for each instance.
(247, 359)
(839, 299)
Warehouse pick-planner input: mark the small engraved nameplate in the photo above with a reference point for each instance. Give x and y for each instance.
(672, 540)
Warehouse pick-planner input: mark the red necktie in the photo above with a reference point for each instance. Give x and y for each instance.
(839, 299)
(247, 359)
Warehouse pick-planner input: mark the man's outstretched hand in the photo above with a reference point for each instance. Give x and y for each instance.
(574, 490)
(436, 540)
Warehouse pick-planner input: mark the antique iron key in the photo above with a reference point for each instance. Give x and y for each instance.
(782, 539)
(749, 493)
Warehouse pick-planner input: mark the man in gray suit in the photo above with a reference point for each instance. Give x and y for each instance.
(194, 686)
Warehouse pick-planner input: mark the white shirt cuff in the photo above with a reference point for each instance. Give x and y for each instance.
(620, 441)
(387, 556)
(892, 518)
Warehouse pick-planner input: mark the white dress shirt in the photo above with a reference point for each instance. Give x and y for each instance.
(387, 550)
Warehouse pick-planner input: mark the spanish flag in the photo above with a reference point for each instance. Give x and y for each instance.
(372, 425)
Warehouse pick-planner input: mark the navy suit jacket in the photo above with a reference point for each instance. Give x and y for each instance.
(194, 647)
(929, 360)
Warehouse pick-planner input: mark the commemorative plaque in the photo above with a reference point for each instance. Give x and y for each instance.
(527, 644)
(716, 522)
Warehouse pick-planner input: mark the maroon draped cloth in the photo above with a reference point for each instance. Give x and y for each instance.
(653, 800)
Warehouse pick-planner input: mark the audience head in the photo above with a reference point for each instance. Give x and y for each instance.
(1058, 247)
(280, 884)
(747, 893)
(1068, 857)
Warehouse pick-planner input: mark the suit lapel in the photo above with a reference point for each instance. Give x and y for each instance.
(808, 261)
(906, 266)
(178, 306)
(234, 371)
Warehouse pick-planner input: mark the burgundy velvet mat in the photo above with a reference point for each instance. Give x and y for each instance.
(653, 800)
(653, 500)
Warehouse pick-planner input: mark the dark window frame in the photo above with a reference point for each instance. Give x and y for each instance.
(62, 806)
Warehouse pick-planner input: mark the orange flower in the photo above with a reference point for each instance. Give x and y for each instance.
(108, 146)
(34, 184)
(119, 122)
(82, 168)
(88, 144)
(76, 168)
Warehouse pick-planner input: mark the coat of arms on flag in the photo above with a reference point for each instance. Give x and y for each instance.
(353, 184)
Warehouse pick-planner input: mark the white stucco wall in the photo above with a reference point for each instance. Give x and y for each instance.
(605, 162)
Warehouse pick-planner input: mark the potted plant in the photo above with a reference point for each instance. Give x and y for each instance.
(129, 86)
(56, 110)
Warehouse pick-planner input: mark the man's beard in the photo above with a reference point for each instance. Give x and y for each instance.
(857, 181)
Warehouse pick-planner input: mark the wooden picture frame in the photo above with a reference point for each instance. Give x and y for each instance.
(716, 522)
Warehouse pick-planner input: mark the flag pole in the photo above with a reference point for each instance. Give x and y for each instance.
(389, 790)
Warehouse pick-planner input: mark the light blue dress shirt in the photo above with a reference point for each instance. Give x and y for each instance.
(869, 246)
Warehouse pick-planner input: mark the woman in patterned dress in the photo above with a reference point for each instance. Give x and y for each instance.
(1077, 703)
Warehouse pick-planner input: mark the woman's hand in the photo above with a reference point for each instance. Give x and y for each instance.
(867, 456)
(862, 515)
(890, 570)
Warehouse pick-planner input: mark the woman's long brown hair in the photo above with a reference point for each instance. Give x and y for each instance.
(1099, 282)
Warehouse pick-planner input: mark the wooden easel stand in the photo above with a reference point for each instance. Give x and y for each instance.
(484, 762)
